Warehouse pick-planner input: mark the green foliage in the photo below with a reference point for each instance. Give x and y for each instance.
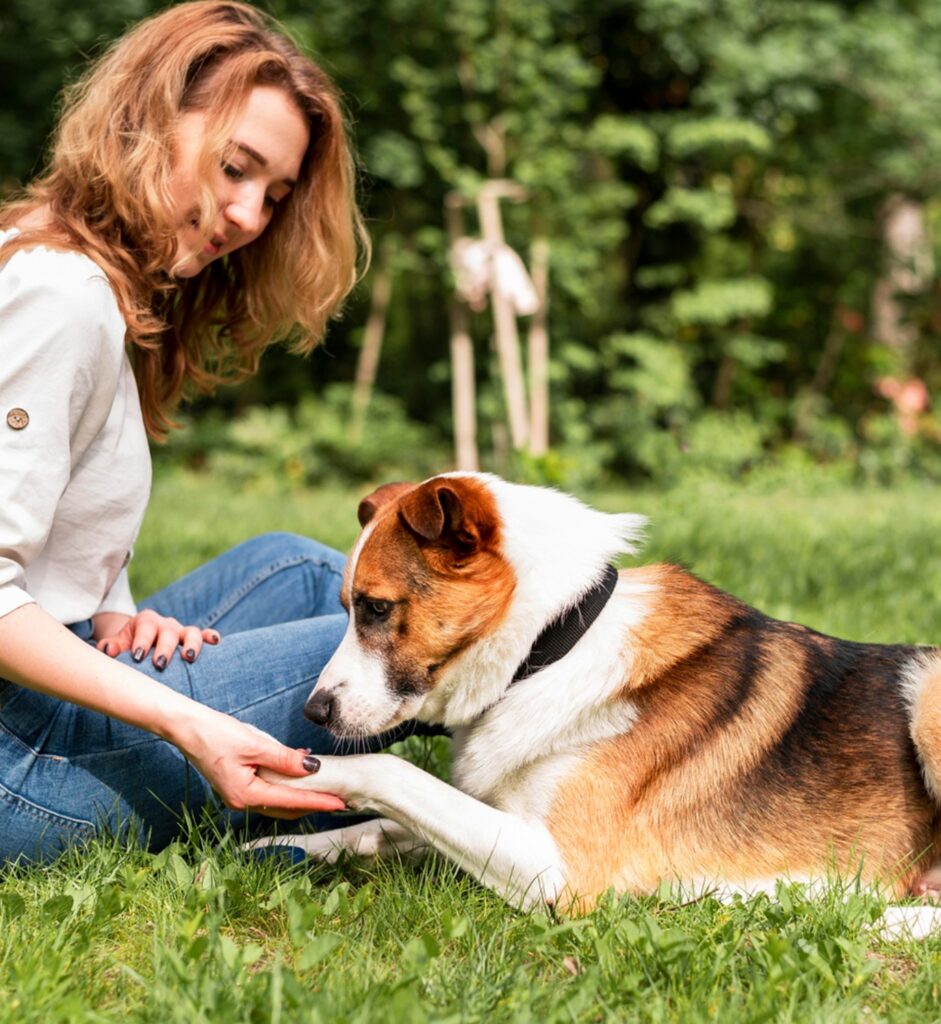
(41, 43)
(652, 372)
(722, 302)
(710, 209)
(716, 135)
(315, 442)
(617, 136)
(709, 175)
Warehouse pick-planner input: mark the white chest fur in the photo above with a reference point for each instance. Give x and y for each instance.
(518, 752)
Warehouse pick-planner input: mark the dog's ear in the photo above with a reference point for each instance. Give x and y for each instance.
(371, 504)
(445, 512)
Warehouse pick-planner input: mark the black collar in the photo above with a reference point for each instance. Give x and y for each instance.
(563, 633)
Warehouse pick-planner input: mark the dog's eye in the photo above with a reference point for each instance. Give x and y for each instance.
(378, 610)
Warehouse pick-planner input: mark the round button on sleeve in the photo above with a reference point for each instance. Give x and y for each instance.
(17, 419)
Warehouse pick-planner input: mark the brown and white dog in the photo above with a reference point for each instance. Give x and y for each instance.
(685, 737)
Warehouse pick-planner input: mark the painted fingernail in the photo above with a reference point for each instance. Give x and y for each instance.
(213, 638)
(108, 649)
(161, 662)
(138, 654)
(189, 654)
(311, 764)
(307, 750)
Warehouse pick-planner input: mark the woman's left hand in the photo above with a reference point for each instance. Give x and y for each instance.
(148, 632)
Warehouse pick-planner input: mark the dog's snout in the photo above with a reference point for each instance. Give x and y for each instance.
(321, 708)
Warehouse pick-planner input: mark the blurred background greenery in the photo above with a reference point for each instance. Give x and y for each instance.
(741, 199)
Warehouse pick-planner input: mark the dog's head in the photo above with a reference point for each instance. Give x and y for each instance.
(426, 580)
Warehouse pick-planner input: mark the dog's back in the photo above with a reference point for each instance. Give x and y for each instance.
(757, 748)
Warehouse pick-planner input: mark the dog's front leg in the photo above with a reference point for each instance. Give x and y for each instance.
(515, 857)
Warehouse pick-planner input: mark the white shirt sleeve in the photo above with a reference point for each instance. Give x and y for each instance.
(61, 348)
(119, 598)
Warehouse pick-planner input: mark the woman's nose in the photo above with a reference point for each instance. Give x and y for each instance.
(247, 215)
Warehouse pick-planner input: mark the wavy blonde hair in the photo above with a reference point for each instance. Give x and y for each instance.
(107, 193)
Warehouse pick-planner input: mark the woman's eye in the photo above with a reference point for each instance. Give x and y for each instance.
(231, 171)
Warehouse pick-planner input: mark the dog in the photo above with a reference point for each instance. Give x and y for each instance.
(611, 729)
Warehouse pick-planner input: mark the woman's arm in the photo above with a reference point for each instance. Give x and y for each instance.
(38, 652)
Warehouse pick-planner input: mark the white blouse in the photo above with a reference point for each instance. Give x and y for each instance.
(74, 461)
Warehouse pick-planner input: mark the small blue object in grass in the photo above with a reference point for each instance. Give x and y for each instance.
(285, 854)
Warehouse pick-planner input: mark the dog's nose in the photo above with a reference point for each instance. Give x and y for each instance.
(320, 708)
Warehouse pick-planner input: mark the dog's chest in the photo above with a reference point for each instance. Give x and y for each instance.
(527, 791)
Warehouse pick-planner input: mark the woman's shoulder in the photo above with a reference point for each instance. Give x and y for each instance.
(57, 279)
(53, 266)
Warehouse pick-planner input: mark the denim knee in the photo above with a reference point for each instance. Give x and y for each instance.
(269, 579)
(280, 544)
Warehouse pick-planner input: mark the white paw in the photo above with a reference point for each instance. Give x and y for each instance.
(317, 847)
(336, 775)
(910, 922)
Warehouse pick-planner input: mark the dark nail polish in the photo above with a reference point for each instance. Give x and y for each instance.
(311, 764)
(307, 750)
(190, 654)
(138, 654)
(212, 638)
(161, 662)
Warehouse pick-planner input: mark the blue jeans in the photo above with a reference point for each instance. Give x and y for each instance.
(67, 774)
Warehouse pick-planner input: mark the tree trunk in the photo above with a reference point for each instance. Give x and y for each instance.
(539, 352)
(368, 362)
(463, 395)
(463, 392)
(504, 319)
(907, 270)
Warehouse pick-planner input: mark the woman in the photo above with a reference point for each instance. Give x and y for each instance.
(199, 205)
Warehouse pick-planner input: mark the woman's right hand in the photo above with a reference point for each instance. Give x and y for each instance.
(229, 753)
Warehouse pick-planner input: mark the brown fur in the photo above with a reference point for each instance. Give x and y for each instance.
(760, 748)
(444, 573)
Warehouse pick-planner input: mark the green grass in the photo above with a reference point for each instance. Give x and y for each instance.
(197, 933)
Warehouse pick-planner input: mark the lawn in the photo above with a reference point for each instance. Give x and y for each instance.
(197, 933)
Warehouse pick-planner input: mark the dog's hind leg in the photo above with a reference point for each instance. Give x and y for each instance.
(514, 856)
(377, 838)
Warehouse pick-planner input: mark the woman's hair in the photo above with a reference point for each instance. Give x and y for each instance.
(108, 192)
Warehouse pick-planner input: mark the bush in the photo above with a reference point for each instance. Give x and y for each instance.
(316, 442)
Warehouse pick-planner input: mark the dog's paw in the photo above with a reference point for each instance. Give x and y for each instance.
(911, 923)
(277, 779)
(358, 779)
(334, 775)
(294, 848)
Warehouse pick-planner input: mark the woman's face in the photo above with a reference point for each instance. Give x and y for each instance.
(269, 140)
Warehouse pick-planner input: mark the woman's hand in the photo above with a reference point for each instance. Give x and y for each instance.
(229, 753)
(147, 630)
(40, 653)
